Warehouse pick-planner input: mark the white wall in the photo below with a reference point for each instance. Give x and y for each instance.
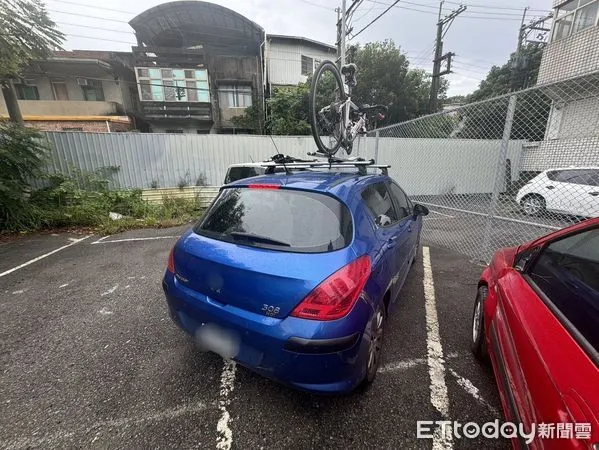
(570, 57)
(420, 166)
(284, 61)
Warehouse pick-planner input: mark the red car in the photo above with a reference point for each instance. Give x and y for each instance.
(536, 316)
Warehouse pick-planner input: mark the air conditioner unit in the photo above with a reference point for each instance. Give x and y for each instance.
(82, 81)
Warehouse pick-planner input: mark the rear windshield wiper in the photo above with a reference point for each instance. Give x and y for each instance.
(257, 238)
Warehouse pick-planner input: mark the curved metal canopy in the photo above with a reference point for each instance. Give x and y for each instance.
(188, 24)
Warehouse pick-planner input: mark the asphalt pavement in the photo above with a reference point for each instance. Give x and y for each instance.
(90, 358)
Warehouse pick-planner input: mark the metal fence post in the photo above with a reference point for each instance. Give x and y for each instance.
(376, 146)
(499, 176)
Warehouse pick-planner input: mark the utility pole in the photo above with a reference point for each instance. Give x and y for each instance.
(518, 62)
(442, 28)
(343, 31)
(338, 11)
(343, 15)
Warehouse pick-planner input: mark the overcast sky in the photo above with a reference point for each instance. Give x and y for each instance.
(482, 36)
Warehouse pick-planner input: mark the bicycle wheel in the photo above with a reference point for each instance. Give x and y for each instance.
(326, 108)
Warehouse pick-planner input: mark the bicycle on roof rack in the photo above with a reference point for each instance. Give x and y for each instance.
(335, 120)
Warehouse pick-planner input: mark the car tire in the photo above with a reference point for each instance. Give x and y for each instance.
(533, 204)
(376, 334)
(477, 334)
(417, 253)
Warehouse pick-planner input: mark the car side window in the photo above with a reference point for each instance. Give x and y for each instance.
(594, 177)
(401, 200)
(553, 175)
(378, 200)
(572, 176)
(567, 272)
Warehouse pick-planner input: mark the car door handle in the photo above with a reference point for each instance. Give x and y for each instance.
(550, 187)
(594, 194)
(392, 242)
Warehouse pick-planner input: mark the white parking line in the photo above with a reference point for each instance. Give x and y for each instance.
(224, 438)
(435, 360)
(402, 365)
(114, 241)
(45, 255)
(507, 219)
(54, 439)
(467, 385)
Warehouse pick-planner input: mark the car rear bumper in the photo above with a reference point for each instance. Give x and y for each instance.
(321, 357)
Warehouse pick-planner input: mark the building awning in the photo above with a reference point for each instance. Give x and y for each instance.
(113, 119)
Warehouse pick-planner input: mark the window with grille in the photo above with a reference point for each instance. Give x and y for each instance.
(307, 65)
(575, 16)
(93, 92)
(235, 95)
(173, 85)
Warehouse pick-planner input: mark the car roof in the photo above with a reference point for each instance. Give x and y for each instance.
(340, 184)
(250, 164)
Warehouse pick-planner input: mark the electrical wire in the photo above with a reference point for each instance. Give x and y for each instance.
(354, 35)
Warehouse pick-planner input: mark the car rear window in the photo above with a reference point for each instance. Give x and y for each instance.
(279, 219)
(240, 173)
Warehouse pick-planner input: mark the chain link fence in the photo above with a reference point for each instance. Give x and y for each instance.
(502, 171)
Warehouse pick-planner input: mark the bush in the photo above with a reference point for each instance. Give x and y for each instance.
(22, 155)
(83, 199)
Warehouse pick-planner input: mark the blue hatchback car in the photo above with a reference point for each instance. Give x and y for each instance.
(293, 275)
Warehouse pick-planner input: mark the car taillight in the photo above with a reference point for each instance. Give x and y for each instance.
(264, 186)
(336, 296)
(171, 261)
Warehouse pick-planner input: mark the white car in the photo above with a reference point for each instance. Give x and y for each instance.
(573, 190)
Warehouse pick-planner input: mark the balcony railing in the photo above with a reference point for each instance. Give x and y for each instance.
(66, 108)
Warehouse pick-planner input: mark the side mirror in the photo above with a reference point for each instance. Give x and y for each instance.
(420, 210)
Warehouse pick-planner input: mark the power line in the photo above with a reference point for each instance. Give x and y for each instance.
(67, 2)
(95, 28)
(486, 16)
(317, 5)
(375, 19)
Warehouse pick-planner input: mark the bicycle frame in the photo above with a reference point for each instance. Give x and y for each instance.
(348, 131)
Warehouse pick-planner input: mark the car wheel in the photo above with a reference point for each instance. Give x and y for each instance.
(377, 328)
(533, 204)
(478, 345)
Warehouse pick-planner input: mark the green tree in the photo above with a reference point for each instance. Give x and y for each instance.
(252, 119)
(486, 120)
(385, 77)
(289, 110)
(27, 33)
(22, 153)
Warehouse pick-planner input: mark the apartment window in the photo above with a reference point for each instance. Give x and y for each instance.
(173, 85)
(307, 65)
(235, 95)
(27, 92)
(575, 16)
(175, 131)
(72, 129)
(93, 92)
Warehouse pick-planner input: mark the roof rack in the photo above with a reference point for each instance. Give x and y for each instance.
(288, 162)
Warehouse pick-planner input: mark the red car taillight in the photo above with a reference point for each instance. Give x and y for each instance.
(171, 261)
(264, 186)
(336, 296)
